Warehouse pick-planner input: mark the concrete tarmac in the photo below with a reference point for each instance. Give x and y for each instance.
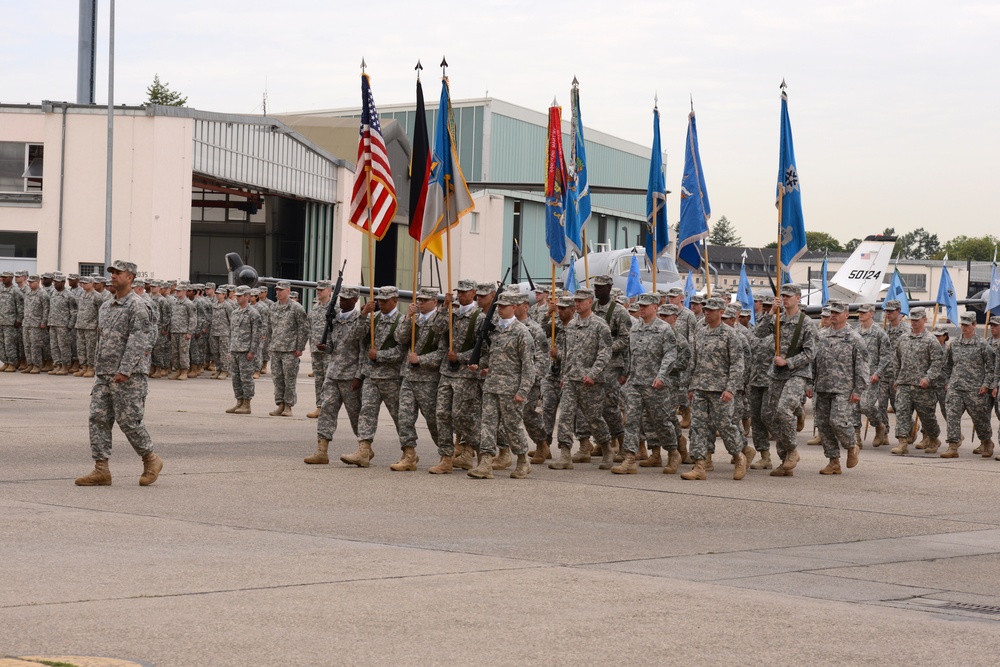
(241, 554)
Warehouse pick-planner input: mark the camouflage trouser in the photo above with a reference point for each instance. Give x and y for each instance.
(784, 402)
(578, 396)
(757, 398)
(414, 397)
(338, 393)
(241, 370)
(34, 344)
(924, 401)
(834, 416)
(20, 344)
(219, 351)
(124, 403)
(874, 401)
(708, 415)
(62, 350)
(647, 413)
(534, 422)
(46, 345)
(8, 344)
(180, 351)
(373, 394)
(320, 360)
(161, 351)
(284, 374)
(613, 407)
(550, 404)
(978, 408)
(86, 345)
(502, 423)
(941, 392)
(199, 345)
(458, 409)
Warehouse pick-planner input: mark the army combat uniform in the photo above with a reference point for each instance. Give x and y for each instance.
(244, 338)
(419, 382)
(917, 357)
(289, 335)
(458, 400)
(971, 379)
(11, 316)
(183, 322)
(875, 400)
(382, 375)
(36, 318)
(348, 342)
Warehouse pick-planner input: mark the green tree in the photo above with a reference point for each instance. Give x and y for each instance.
(918, 244)
(160, 93)
(723, 233)
(821, 241)
(976, 248)
(852, 245)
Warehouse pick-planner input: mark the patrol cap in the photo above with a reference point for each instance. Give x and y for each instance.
(324, 284)
(791, 289)
(967, 318)
(623, 300)
(484, 289)
(569, 302)
(22, 274)
(122, 265)
(758, 297)
(59, 277)
(539, 289)
(603, 280)
(207, 285)
(866, 308)
(508, 299)
(349, 292)
(918, 313)
(715, 303)
(255, 291)
(838, 307)
(386, 293)
(283, 284)
(633, 308)
(668, 309)
(995, 320)
(617, 292)
(520, 297)
(467, 285)
(74, 276)
(242, 290)
(768, 299)
(197, 286)
(892, 304)
(697, 298)
(583, 293)
(826, 312)
(648, 299)
(32, 278)
(86, 280)
(940, 330)
(7, 274)
(428, 293)
(745, 312)
(732, 311)
(47, 274)
(675, 291)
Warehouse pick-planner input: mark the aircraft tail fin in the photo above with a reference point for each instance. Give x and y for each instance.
(865, 270)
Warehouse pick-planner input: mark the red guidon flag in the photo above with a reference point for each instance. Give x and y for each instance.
(373, 201)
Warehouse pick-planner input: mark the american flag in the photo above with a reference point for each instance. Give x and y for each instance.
(373, 201)
(865, 255)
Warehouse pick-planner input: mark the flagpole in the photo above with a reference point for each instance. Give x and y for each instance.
(554, 303)
(416, 284)
(371, 256)
(934, 321)
(777, 270)
(447, 236)
(586, 264)
(708, 284)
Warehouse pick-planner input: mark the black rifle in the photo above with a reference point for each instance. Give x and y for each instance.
(483, 335)
(331, 309)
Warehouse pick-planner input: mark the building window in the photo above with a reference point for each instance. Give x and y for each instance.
(21, 172)
(91, 268)
(914, 281)
(474, 223)
(19, 245)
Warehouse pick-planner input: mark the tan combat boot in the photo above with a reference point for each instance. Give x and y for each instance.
(852, 456)
(901, 448)
(673, 462)
(320, 457)
(626, 467)
(697, 472)
(315, 413)
(923, 441)
(34, 370)
(977, 450)
(47, 366)
(503, 461)
(151, 467)
(277, 411)
(987, 449)
(523, 468)
(951, 452)
(362, 457)
(932, 446)
(643, 452)
(80, 372)
(232, 410)
(27, 369)
(55, 370)
(749, 453)
(464, 459)
(485, 468)
(215, 375)
(89, 373)
(709, 466)
(740, 467)
(595, 449)
(243, 409)
(791, 460)
(800, 421)
(832, 468)
(408, 462)
(815, 440)
(286, 411)
(682, 447)
(686, 417)
(99, 476)
(541, 454)
(194, 371)
(608, 457)
(182, 374)
(881, 437)
(444, 467)
(764, 463)
(223, 375)
(564, 462)
(654, 460)
(583, 454)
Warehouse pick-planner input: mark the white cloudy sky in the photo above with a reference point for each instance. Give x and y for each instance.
(894, 104)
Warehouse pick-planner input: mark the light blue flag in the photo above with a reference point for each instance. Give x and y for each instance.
(695, 208)
(793, 227)
(897, 291)
(993, 298)
(578, 197)
(826, 282)
(656, 199)
(786, 278)
(946, 296)
(689, 290)
(634, 287)
(572, 284)
(745, 295)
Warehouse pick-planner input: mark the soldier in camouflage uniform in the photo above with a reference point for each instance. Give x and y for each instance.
(124, 338)
(244, 348)
(458, 401)
(841, 376)
(715, 379)
(289, 335)
(381, 372)
(994, 342)
(789, 371)
(586, 353)
(203, 323)
(220, 331)
(183, 323)
(895, 327)
(36, 319)
(620, 323)
(161, 347)
(875, 399)
(346, 348)
(317, 325)
(539, 312)
(534, 423)
(680, 380)
(11, 316)
(88, 305)
(686, 325)
(652, 353)
(422, 336)
(62, 319)
(259, 301)
(551, 382)
(918, 361)
(509, 363)
(972, 366)
(761, 354)
(741, 407)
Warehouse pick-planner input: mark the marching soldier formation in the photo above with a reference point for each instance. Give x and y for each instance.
(644, 384)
